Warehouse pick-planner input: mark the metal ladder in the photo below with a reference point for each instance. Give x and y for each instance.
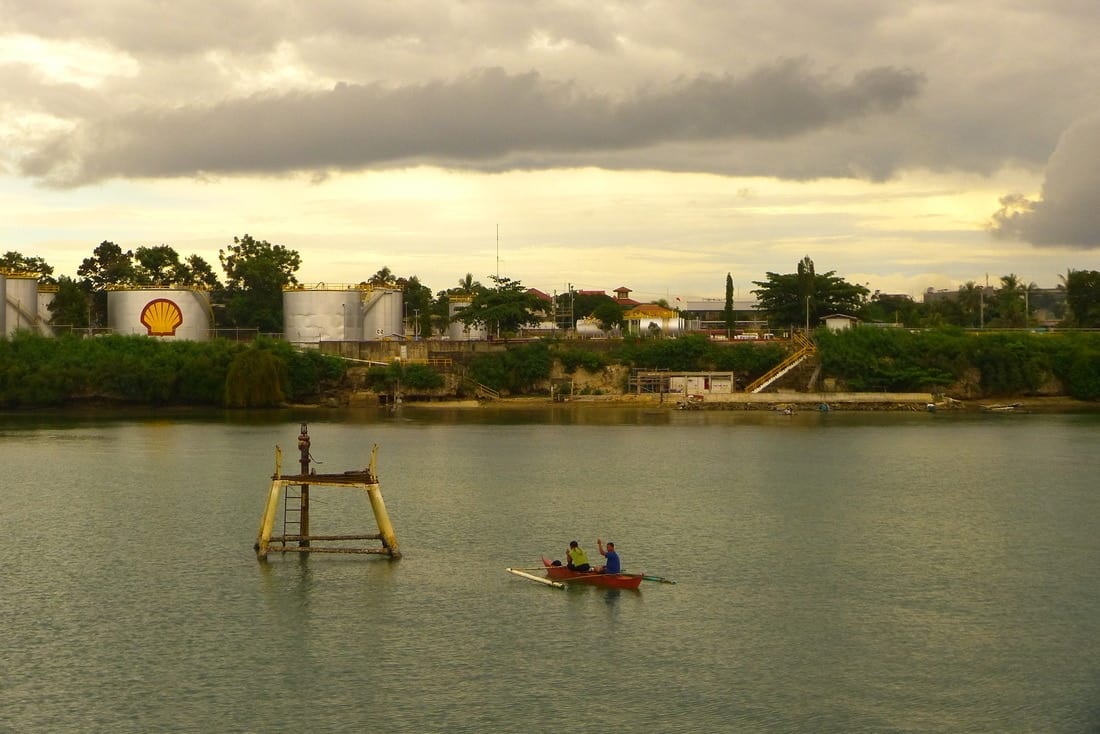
(292, 514)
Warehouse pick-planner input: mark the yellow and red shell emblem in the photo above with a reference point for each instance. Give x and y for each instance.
(161, 317)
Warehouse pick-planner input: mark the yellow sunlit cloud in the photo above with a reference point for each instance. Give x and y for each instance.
(66, 61)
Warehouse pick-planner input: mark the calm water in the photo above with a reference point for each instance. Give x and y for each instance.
(837, 573)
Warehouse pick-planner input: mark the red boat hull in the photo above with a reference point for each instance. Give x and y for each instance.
(606, 580)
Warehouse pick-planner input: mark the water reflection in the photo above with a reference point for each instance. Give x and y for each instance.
(844, 573)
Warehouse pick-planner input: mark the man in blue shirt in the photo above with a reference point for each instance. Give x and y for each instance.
(613, 565)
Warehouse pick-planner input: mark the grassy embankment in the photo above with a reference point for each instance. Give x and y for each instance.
(38, 371)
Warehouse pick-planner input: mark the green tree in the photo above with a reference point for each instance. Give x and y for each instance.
(1010, 301)
(887, 308)
(514, 370)
(199, 274)
(418, 306)
(256, 379)
(609, 315)
(941, 312)
(161, 265)
(70, 305)
(727, 311)
(255, 274)
(1083, 297)
(405, 377)
(795, 298)
(805, 276)
(467, 286)
(382, 278)
(503, 308)
(585, 304)
(972, 304)
(109, 265)
(20, 263)
(158, 265)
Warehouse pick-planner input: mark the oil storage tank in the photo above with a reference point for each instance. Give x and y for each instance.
(320, 312)
(168, 313)
(46, 296)
(458, 331)
(383, 314)
(20, 294)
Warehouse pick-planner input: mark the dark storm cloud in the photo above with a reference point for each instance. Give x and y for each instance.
(1067, 212)
(475, 121)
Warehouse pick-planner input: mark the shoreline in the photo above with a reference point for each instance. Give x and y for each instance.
(780, 401)
(784, 401)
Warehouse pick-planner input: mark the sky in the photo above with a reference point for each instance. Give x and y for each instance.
(657, 145)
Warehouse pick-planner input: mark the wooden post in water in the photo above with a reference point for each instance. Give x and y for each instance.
(385, 527)
(303, 517)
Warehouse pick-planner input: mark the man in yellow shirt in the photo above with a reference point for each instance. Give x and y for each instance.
(578, 559)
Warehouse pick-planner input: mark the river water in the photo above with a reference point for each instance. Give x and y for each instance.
(840, 572)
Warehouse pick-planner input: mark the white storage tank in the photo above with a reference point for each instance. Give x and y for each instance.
(590, 329)
(46, 295)
(166, 313)
(315, 313)
(458, 331)
(383, 314)
(21, 302)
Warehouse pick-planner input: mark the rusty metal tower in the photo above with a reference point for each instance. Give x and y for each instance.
(292, 492)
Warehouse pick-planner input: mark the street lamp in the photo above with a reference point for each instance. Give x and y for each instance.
(807, 315)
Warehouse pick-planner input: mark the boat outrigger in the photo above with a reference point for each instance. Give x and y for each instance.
(558, 576)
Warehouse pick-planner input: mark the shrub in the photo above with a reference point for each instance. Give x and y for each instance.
(256, 379)
(571, 359)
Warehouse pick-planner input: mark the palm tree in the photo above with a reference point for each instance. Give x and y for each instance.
(382, 277)
(468, 286)
(970, 301)
(1028, 290)
(1009, 300)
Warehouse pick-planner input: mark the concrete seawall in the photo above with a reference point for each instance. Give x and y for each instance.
(773, 400)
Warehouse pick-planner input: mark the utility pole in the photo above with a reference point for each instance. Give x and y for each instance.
(554, 313)
(572, 320)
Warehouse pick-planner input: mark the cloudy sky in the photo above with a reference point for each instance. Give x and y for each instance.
(904, 144)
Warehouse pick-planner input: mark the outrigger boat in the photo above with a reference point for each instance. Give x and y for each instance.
(606, 580)
(558, 576)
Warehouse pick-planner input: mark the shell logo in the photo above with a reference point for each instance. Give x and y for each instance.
(161, 317)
